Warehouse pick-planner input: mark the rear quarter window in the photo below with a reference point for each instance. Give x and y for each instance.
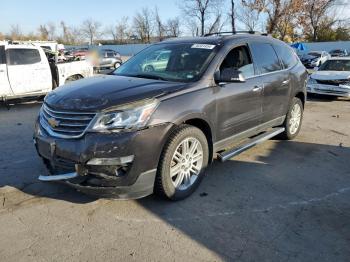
(23, 56)
(287, 55)
(2, 55)
(265, 57)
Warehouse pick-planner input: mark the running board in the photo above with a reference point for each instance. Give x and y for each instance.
(223, 156)
(58, 177)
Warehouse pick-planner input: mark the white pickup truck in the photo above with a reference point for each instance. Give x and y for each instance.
(26, 71)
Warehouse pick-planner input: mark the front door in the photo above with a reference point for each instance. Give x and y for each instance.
(239, 105)
(28, 71)
(5, 89)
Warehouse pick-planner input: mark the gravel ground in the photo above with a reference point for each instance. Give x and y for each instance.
(276, 202)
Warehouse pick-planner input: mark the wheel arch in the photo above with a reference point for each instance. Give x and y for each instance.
(205, 127)
(302, 97)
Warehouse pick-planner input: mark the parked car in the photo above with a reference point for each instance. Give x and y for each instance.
(107, 58)
(156, 63)
(339, 53)
(315, 59)
(135, 132)
(80, 53)
(27, 71)
(332, 78)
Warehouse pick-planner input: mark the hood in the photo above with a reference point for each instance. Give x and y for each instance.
(102, 92)
(309, 57)
(331, 75)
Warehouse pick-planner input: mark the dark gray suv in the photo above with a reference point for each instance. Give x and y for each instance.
(137, 131)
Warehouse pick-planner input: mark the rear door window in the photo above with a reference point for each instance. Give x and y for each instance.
(110, 54)
(265, 57)
(287, 55)
(23, 56)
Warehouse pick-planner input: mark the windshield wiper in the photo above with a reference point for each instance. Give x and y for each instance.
(149, 76)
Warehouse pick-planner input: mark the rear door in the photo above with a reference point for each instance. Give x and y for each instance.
(5, 89)
(275, 79)
(239, 105)
(28, 70)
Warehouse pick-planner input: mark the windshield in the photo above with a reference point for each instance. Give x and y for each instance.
(314, 54)
(337, 51)
(336, 65)
(184, 62)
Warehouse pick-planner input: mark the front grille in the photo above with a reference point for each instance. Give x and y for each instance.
(331, 91)
(64, 124)
(334, 82)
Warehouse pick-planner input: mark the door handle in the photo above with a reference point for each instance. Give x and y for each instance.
(2, 71)
(285, 82)
(257, 88)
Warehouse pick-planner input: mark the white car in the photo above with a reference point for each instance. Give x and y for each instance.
(332, 78)
(315, 58)
(26, 71)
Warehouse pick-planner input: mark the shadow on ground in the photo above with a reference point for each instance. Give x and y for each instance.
(280, 201)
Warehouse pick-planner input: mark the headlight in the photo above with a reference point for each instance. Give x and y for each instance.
(135, 115)
(312, 81)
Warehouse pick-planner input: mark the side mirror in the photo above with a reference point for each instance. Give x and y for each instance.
(229, 75)
(316, 68)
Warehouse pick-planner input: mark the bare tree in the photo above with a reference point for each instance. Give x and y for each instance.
(160, 28)
(200, 10)
(316, 12)
(112, 31)
(16, 32)
(122, 29)
(91, 29)
(43, 32)
(173, 27)
(217, 24)
(143, 25)
(248, 16)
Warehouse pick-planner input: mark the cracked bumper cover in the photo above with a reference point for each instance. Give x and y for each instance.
(98, 157)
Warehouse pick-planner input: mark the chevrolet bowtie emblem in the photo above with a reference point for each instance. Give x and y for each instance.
(53, 122)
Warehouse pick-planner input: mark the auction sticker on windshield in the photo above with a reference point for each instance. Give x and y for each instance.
(203, 46)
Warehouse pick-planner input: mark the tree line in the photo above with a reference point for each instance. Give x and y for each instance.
(288, 20)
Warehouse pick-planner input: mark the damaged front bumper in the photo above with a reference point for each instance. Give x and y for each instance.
(332, 90)
(117, 165)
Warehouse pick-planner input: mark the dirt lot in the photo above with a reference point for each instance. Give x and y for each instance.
(279, 201)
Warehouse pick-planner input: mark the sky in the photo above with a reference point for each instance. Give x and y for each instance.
(29, 14)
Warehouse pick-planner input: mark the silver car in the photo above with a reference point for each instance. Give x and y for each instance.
(108, 59)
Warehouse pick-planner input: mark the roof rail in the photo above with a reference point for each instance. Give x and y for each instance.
(236, 32)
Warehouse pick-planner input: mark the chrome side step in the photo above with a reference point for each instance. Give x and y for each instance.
(58, 177)
(223, 156)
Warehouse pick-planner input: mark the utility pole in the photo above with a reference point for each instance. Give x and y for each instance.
(232, 15)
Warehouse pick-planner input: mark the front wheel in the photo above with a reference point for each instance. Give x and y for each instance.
(292, 123)
(116, 65)
(182, 163)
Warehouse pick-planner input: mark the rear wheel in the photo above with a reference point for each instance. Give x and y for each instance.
(292, 123)
(149, 68)
(116, 65)
(182, 163)
(73, 78)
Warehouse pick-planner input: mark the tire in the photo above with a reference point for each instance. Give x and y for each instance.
(73, 78)
(177, 186)
(293, 121)
(54, 84)
(116, 65)
(149, 68)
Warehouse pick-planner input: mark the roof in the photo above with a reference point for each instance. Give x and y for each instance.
(339, 58)
(215, 39)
